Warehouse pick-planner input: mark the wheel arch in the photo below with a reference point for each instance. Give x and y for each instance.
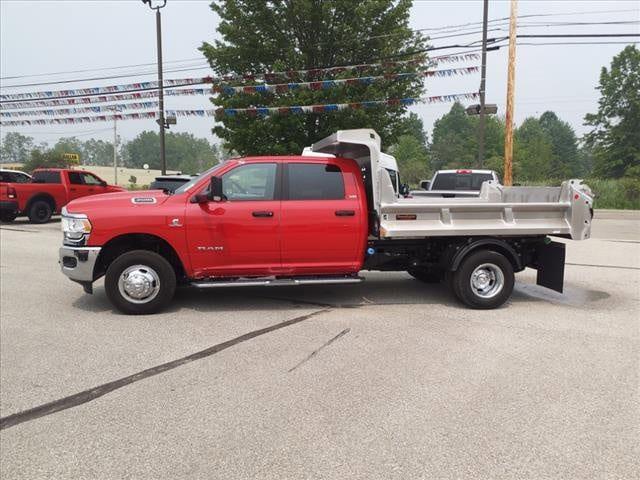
(493, 244)
(41, 196)
(137, 241)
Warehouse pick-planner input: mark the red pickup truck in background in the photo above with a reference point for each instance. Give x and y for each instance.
(49, 191)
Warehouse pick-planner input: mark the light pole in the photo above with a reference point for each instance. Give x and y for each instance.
(161, 122)
(115, 111)
(483, 76)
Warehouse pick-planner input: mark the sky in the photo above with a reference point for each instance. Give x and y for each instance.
(46, 36)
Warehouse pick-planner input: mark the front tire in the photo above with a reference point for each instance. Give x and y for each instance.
(140, 282)
(40, 211)
(484, 280)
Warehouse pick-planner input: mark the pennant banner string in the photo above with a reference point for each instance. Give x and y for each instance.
(326, 84)
(318, 72)
(331, 107)
(75, 111)
(130, 87)
(103, 98)
(229, 90)
(255, 111)
(195, 81)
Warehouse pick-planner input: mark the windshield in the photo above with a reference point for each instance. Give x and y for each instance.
(187, 186)
(460, 181)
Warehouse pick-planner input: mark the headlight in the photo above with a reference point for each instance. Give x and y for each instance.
(75, 226)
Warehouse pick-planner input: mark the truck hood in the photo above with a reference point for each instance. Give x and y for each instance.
(137, 199)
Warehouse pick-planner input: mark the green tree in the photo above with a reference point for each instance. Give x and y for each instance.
(15, 148)
(615, 138)
(184, 152)
(566, 158)
(412, 157)
(533, 152)
(45, 159)
(70, 145)
(285, 35)
(411, 151)
(454, 143)
(97, 152)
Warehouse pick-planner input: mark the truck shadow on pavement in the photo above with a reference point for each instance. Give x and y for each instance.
(392, 289)
(398, 290)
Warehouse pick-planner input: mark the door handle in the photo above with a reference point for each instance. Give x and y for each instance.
(73, 189)
(262, 213)
(345, 213)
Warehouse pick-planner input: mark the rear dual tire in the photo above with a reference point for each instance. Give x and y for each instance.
(483, 280)
(140, 282)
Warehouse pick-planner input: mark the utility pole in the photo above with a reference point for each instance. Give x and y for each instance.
(483, 76)
(511, 80)
(161, 121)
(163, 160)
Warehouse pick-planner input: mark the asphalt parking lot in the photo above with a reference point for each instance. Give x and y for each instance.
(388, 379)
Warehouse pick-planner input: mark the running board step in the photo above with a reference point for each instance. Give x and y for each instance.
(275, 282)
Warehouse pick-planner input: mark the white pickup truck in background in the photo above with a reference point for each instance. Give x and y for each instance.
(455, 183)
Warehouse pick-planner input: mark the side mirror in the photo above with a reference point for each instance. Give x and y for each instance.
(425, 184)
(103, 183)
(215, 190)
(404, 189)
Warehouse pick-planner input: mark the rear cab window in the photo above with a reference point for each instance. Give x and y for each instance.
(460, 181)
(314, 181)
(47, 176)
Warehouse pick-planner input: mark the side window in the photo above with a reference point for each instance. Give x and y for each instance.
(90, 179)
(21, 178)
(315, 181)
(47, 176)
(75, 178)
(256, 181)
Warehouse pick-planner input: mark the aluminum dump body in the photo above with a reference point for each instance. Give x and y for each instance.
(497, 211)
(566, 210)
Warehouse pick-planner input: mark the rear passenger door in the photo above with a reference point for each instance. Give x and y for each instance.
(321, 220)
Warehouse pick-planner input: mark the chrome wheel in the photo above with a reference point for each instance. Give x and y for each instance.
(139, 284)
(487, 280)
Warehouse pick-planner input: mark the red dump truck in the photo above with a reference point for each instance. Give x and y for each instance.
(307, 220)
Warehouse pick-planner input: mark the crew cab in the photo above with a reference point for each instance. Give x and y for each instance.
(455, 183)
(296, 220)
(50, 189)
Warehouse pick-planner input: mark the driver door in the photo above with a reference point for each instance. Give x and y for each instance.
(82, 184)
(240, 235)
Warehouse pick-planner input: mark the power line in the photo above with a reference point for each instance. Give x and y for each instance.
(592, 12)
(133, 74)
(434, 29)
(198, 67)
(493, 41)
(98, 69)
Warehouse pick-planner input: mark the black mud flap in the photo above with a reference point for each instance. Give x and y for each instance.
(550, 265)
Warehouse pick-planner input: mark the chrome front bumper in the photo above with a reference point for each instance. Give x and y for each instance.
(77, 262)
